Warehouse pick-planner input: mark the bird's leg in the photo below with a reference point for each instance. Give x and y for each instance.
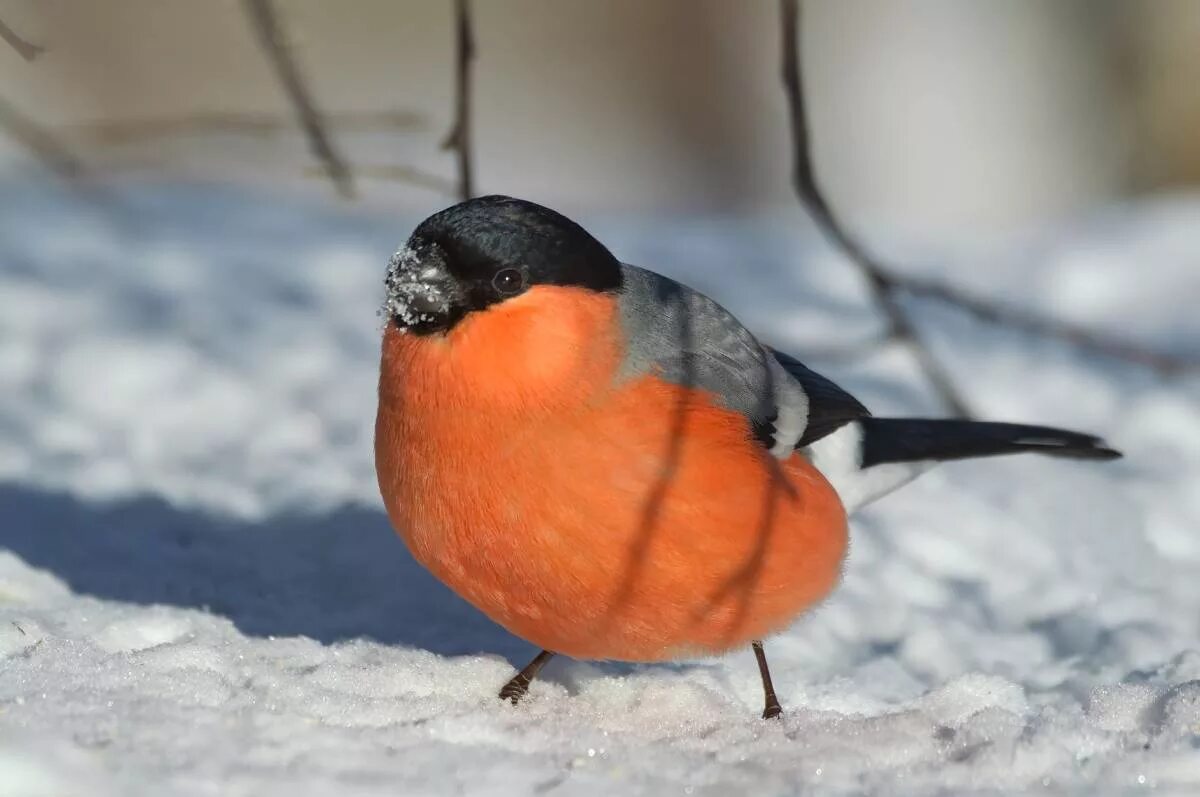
(515, 689)
(772, 708)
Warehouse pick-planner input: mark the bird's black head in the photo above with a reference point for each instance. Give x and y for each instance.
(477, 253)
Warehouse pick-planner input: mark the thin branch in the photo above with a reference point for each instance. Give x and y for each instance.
(887, 284)
(880, 282)
(459, 137)
(44, 146)
(117, 132)
(25, 49)
(1025, 321)
(270, 35)
(396, 174)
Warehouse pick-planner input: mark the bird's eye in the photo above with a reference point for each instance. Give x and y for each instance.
(508, 281)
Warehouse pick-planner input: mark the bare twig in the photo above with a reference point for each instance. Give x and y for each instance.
(125, 131)
(26, 50)
(44, 146)
(270, 35)
(887, 285)
(398, 174)
(882, 286)
(459, 137)
(1024, 321)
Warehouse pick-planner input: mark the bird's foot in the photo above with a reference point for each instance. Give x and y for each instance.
(515, 689)
(773, 710)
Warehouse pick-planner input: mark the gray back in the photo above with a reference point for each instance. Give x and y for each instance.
(688, 339)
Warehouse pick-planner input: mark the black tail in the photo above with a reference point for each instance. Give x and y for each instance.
(914, 440)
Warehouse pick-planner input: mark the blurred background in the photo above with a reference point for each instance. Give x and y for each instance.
(156, 175)
(931, 117)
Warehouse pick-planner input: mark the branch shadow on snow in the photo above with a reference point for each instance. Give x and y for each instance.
(333, 576)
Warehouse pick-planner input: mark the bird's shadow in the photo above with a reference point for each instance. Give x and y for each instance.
(338, 575)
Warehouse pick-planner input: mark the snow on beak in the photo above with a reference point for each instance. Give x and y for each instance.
(421, 293)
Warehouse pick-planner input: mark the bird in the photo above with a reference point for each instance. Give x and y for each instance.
(607, 463)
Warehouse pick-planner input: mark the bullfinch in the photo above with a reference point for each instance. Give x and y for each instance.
(609, 465)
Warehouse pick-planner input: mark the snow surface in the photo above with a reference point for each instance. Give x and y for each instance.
(200, 595)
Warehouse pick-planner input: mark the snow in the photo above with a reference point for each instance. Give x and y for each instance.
(199, 593)
(402, 286)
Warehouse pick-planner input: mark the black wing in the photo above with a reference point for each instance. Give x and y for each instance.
(829, 407)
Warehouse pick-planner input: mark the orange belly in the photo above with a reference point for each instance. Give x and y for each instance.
(638, 523)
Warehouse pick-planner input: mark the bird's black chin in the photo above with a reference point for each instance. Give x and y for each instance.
(426, 324)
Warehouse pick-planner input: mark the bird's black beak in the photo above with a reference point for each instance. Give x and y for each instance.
(422, 295)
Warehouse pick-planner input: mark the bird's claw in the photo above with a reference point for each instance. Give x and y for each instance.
(514, 690)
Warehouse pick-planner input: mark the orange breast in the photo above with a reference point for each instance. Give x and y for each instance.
(634, 521)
